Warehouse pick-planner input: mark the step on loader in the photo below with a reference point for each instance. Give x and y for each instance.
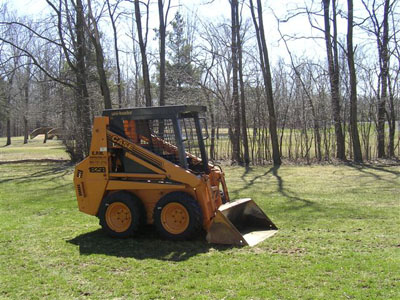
(150, 166)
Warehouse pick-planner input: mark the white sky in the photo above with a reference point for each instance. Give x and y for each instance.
(220, 9)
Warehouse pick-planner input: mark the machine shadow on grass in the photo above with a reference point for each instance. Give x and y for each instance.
(146, 245)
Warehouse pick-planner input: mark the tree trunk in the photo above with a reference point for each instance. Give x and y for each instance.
(162, 51)
(212, 140)
(8, 131)
(137, 68)
(95, 38)
(235, 87)
(246, 155)
(333, 66)
(142, 45)
(162, 33)
(64, 108)
(353, 86)
(82, 101)
(26, 98)
(391, 120)
(384, 74)
(266, 70)
(212, 119)
(116, 50)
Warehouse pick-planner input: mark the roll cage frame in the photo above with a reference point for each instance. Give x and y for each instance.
(177, 114)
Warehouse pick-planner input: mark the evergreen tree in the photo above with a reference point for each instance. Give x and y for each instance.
(181, 75)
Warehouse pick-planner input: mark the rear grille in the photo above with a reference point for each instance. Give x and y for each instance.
(78, 188)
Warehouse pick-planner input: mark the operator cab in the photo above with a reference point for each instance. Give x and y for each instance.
(172, 132)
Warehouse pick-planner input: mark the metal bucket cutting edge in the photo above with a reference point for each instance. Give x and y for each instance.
(240, 223)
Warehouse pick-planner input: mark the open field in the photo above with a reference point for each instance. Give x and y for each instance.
(339, 238)
(35, 149)
(298, 145)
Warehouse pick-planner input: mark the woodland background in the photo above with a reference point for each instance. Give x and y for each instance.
(64, 66)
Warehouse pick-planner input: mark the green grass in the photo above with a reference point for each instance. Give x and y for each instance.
(338, 238)
(34, 149)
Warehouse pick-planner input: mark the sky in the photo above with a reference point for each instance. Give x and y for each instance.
(219, 9)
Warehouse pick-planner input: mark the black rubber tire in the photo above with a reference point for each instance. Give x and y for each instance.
(191, 206)
(138, 213)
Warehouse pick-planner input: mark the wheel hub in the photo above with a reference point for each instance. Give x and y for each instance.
(175, 218)
(118, 217)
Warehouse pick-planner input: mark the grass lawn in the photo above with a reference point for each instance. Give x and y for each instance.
(338, 238)
(34, 149)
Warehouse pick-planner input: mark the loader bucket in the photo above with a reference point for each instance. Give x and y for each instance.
(240, 223)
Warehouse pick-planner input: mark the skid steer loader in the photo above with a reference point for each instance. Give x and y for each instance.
(149, 165)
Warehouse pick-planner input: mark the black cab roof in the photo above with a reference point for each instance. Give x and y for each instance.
(155, 112)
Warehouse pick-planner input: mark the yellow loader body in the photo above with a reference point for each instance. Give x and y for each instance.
(127, 183)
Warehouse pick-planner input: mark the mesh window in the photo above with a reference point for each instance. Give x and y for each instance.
(154, 135)
(158, 136)
(163, 129)
(189, 136)
(163, 139)
(130, 130)
(191, 143)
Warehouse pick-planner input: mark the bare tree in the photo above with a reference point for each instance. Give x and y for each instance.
(235, 83)
(113, 19)
(333, 67)
(258, 112)
(246, 155)
(94, 35)
(142, 45)
(26, 88)
(384, 65)
(266, 71)
(162, 34)
(137, 63)
(74, 50)
(353, 85)
(380, 29)
(308, 94)
(392, 114)
(8, 94)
